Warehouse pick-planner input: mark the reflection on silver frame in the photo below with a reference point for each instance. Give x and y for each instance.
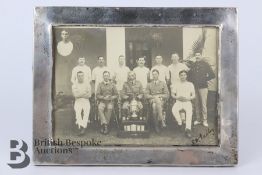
(225, 154)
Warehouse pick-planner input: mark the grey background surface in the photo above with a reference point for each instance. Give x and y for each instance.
(16, 86)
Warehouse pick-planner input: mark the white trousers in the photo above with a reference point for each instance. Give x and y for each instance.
(187, 106)
(82, 110)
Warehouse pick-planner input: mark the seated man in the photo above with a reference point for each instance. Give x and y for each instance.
(183, 92)
(82, 93)
(132, 89)
(157, 92)
(106, 94)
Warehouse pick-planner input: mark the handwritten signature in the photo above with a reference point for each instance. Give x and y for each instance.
(202, 136)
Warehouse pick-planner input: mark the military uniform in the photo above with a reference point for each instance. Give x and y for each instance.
(157, 92)
(104, 90)
(199, 74)
(97, 75)
(132, 89)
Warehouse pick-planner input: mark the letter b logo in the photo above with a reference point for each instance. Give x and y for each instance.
(18, 149)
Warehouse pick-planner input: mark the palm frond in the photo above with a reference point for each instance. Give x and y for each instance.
(199, 43)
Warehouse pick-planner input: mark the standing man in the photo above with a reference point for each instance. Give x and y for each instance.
(97, 73)
(142, 72)
(199, 74)
(106, 94)
(157, 93)
(82, 93)
(163, 70)
(132, 89)
(183, 92)
(175, 68)
(121, 73)
(83, 68)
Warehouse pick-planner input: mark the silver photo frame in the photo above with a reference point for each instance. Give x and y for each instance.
(51, 151)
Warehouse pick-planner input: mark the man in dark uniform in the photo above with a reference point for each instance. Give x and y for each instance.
(157, 93)
(106, 94)
(199, 74)
(132, 89)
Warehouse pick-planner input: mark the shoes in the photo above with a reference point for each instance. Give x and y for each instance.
(197, 122)
(205, 123)
(188, 133)
(104, 129)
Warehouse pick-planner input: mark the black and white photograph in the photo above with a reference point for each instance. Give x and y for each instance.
(147, 85)
(135, 86)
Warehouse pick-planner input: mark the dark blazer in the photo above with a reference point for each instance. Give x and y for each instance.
(200, 73)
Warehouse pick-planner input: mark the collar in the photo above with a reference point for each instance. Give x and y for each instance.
(156, 81)
(183, 81)
(199, 62)
(79, 82)
(66, 42)
(106, 83)
(132, 82)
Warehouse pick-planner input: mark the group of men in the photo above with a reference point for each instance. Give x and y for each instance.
(185, 84)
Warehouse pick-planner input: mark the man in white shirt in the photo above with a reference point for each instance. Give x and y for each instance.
(97, 73)
(83, 68)
(175, 68)
(163, 70)
(82, 93)
(121, 72)
(183, 92)
(65, 47)
(142, 72)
